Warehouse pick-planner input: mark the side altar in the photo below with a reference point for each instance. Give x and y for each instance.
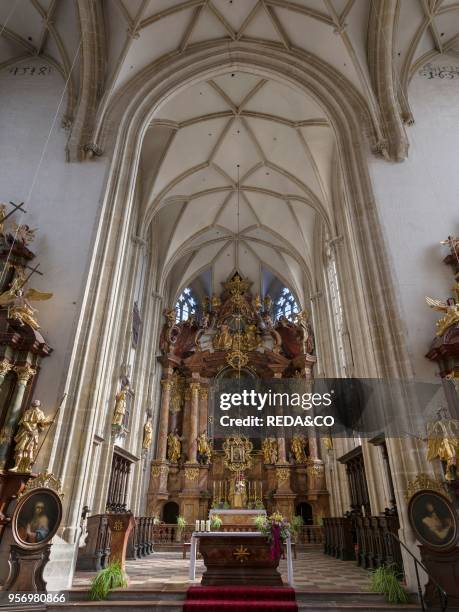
(235, 335)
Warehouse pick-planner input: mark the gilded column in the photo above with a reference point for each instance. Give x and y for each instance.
(24, 374)
(204, 409)
(194, 422)
(161, 452)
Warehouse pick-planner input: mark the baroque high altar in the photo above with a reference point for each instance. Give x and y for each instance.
(233, 336)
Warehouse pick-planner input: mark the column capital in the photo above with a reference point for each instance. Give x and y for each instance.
(166, 384)
(203, 393)
(24, 373)
(5, 367)
(195, 386)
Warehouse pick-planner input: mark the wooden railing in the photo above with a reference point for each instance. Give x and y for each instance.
(308, 535)
(363, 538)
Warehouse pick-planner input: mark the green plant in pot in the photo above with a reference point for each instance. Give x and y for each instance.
(385, 580)
(215, 522)
(296, 525)
(181, 525)
(112, 577)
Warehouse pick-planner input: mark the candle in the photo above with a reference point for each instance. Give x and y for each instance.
(203, 525)
(207, 525)
(197, 525)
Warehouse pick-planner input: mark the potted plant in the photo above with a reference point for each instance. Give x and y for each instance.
(215, 522)
(112, 577)
(296, 524)
(385, 580)
(181, 526)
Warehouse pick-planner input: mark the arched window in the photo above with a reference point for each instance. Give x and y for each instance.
(185, 305)
(285, 305)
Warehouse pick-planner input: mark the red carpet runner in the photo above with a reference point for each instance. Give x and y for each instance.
(240, 598)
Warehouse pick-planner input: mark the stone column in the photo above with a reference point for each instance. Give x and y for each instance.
(203, 409)
(161, 449)
(194, 422)
(24, 374)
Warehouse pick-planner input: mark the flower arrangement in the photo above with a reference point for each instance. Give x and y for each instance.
(181, 522)
(277, 528)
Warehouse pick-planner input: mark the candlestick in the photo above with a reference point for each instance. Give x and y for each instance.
(203, 525)
(207, 525)
(197, 525)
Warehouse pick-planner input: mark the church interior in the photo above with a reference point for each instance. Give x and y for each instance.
(203, 194)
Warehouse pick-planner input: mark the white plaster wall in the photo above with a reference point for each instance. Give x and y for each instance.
(63, 203)
(418, 202)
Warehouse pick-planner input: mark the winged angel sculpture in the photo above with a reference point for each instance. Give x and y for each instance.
(19, 307)
(450, 308)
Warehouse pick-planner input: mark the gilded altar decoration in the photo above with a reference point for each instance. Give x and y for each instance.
(443, 444)
(19, 307)
(241, 553)
(174, 447)
(297, 445)
(159, 470)
(177, 389)
(223, 340)
(238, 494)
(26, 440)
(315, 469)
(269, 450)
(147, 434)
(44, 480)
(120, 408)
(204, 454)
(423, 482)
(237, 359)
(191, 473)
(282, 475)
(450, 308)
(24, 233)
(237, 451)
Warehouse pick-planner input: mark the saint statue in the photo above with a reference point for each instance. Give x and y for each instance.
(147, 434)
(238, 494)
(32, 422)
(222, 340)
(306, 333)
(204, 449)
(269, 449)
(120, 406)
(251, 338)
(450, 308)
(174, 447)
(297, 445)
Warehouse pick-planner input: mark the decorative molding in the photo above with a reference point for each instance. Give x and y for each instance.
(191, 473)
(424, 482)
(282, 474)
(43, 480)
(24, 373)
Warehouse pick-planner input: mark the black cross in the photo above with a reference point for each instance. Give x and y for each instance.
(16, 207)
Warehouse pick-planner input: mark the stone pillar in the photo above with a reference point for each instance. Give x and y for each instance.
(194, 422)
(161, 449)
(203, 409)
(24, 374)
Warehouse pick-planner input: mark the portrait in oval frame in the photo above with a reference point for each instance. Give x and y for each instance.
(433, 520)
(36, 518)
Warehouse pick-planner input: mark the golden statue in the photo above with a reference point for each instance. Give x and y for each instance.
(147, 434)
(120, 406)
(216, 302)
(443, 444)
(257, 302)
(251, 339)
(237, 494)
(32, 422)
(222, 340)
(174, 447)
(177, 395)
(19, 307)
(450, 308)
(269, 449)
(297, 446)
(204, 449)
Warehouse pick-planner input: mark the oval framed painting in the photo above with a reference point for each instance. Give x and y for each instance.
(433, 520)
(36, 518)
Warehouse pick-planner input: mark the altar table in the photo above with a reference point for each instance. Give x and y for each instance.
(240, 543)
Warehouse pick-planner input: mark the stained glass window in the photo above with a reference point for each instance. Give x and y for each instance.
(185, 305)
(285, 305)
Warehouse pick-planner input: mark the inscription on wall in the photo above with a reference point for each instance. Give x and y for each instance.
(429, 71)
(30, 70)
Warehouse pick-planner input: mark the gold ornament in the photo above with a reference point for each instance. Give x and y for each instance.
(32, 422)
(269, 450)
(237, 451)
(24, 373)
(147, 434)
(282, 474)
(443, 444)
(423, 482)
(120, 407)
(241, 553)
(237, 359)
(44, 480)
(174, 447)
(450, 308)
(5, 367)
(191, 473)
(297, 446)
(159, 469)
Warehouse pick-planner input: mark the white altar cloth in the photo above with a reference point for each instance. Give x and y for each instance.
(255, 534)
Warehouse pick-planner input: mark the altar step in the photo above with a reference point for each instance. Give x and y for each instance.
(172, 601)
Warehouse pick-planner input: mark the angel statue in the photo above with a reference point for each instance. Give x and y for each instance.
(120, 407)
(297, 445)
(147, 434)
(32, 422)
(204, 449)
(19, 307)
(443, 443)
(450, 308)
